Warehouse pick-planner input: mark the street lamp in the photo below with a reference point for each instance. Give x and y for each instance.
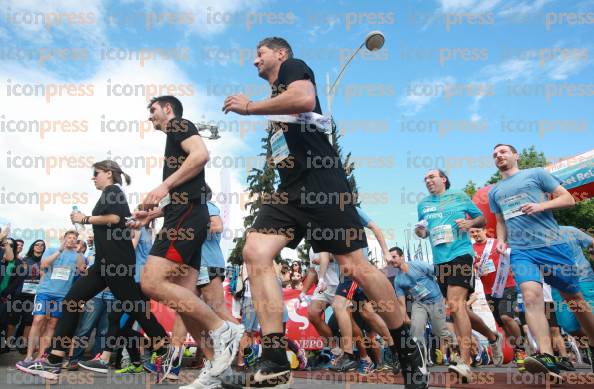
(373, 41)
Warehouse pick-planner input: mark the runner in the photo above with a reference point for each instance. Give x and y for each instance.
(443, 218)
(113, 268)
(171, 270)
(417, 278)
(319, 206)
(525, 222)
(503, 307)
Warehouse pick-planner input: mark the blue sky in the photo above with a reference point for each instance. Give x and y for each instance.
(517, 72)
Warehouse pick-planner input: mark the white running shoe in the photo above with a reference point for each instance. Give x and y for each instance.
(204, 380)
(497, 349)
(225, 346)
(463, 371)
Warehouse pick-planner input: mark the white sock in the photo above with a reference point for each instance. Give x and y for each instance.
(221, 329)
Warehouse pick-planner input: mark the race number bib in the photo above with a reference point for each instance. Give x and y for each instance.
(280, 149)
(30, 287)
(165, 202)
(419, 292)
(487, 267)
(511, 206)
(61, 273)
(442, 234)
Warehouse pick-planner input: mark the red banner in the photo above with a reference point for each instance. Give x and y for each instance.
(299, 328)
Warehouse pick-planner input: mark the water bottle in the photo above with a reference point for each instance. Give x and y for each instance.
(77, 226)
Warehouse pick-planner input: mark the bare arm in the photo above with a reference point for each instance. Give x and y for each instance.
(501, 231)
(80, 264)
(50, 259)
(310, 278)
(324, 261)
(135, 238)
(8, 252)
(561, 199)
(216, 224)
(402, 306)
(299, 97)
(379, 235)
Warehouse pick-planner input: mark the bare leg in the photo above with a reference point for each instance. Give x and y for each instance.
(35, 334)
(343, 317)
(46, 339)
(535, 315)
(582, 312)
(457, 302)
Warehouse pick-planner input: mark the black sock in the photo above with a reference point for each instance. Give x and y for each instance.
(273, 348)
(54, 359)
(402, 340)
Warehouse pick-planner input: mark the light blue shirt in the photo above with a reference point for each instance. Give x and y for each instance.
(441, 212)
(212, 255)
(526, 231)
(143, 248)
(577, 239)
(419, 282)
(59, 277)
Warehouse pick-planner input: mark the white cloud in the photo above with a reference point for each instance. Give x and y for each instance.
(524, 8)
(471, 6)
(422, 92)
(39, 159)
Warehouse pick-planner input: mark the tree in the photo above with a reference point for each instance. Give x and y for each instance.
(470, 188)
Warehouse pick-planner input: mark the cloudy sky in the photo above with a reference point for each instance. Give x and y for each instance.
(454, 78)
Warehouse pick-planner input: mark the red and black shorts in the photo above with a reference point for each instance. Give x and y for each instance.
(183, 232)
(350, 290)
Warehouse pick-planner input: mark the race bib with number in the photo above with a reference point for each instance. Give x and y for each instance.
(280, 149)
(511, 206)
(419, 292)
(487, 267)
(30, 287)
(165, 202)
(442, 234)
(61, 273)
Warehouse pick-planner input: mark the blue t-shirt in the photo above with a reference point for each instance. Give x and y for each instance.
(212, 255)
(143, 248)
(419, 282)
(365, 220)
(577, 239)
(441, 212)
(524, 231)
(59, 277)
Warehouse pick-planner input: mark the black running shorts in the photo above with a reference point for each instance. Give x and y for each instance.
(184, 230)
(332, 228)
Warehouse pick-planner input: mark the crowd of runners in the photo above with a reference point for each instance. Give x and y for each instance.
(536, 279)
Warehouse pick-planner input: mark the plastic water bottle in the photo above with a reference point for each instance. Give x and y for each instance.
(77, 226)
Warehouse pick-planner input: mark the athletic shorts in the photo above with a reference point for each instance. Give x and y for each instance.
(565, 317)
(457, 272)
(328, 228)
(506, 305)
(184, 230)
(333, 323)
(46, 304)
(554, 262)
(326, 296)
(350, 290)
(208, 274)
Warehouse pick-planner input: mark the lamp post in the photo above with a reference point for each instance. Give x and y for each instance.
(373, 41)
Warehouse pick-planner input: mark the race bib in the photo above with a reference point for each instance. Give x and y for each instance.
(442, 234)
(511, 206)
(419, 291)
(61, 273)
(280, 149)
(30, 287)
(488, 267)
(165, 202)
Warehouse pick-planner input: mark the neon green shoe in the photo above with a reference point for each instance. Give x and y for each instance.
(188, 353)
(130, 369)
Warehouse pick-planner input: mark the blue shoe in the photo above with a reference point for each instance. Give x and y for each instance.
(41, 368)
(366, 366)
(162, 364)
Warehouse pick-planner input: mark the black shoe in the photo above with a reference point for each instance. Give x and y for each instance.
(565, 364)
(591, 358)
(345, 363)
(414, 368)
(543, 363)
(263, 374)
